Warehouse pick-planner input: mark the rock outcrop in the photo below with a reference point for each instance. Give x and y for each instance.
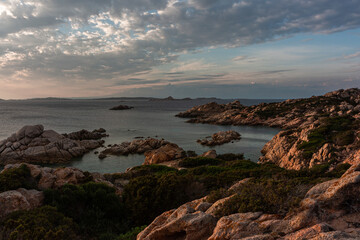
(50, 178)
(47, 178)
(155, 150)
(329, 210)
(121, 107)
(33, 144)
(220, 138)
(165, 153)
(316, 130)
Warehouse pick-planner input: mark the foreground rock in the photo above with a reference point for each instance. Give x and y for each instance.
(220, 138)
(46, 178)
(328, 211)
(156, 150)
(317, 129)
(121, 107)
(33, 144)
(20, 199)
(163, 154)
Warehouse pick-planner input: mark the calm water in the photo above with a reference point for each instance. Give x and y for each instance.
(147, 119)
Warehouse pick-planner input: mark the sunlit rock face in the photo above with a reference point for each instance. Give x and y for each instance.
(328, 211)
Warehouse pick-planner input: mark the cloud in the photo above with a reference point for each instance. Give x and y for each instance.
(66, 40)
(354, 55)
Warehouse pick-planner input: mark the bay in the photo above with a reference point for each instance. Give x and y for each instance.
(149, 118)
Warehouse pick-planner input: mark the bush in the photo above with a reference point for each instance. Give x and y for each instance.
(43, 223)
(94, 206)
(131, 235)
(15, 178)
(268, 196)
(231, 156)
(336, 130)
(198, 161)
(148, 196)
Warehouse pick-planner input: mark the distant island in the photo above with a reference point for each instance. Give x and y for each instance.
(121, 107)
(170, 98)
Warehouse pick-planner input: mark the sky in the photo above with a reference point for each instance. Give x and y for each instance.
(182, 48)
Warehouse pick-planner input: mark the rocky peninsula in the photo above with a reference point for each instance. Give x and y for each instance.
(33, 144)
(316, 130)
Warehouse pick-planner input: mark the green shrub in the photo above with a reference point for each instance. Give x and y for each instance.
(131, 235)
(44, 223)
(148, 196)
(268, 196)
(15, 178)
(94, 206)
(139, 171)
(338, 130)
(230, 156)
(198, 161)
(217, 194)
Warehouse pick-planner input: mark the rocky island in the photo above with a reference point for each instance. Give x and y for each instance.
(33, 144)
(220, 138)
(121, 107)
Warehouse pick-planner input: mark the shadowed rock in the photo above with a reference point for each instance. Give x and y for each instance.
(34, 144)
(220, 138)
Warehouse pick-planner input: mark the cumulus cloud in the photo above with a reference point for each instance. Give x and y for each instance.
(63, 40)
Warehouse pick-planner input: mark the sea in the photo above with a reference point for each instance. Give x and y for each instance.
(148, 118)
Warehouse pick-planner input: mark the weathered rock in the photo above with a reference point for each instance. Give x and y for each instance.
(209, 154)
(53, 178)
(165, 153)
(33, 144)
(220, 138)
(20, 199)
(155, 150)
(138, 146)
(328, 211)
(182, 223)
(237, 226)
(86, 135)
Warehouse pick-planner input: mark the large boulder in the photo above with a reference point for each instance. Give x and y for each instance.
(20, 199)
(220, 138)
(36, 145)
(183, 223)
(138, 146)
(165, 153)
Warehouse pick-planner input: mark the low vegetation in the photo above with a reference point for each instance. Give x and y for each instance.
(337, 130)
(95, 211)
(15, 178)
(42, 223)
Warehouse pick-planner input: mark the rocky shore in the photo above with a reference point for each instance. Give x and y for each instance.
(220, 138)
(316, 130)
(33, 144)
(155, 150)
